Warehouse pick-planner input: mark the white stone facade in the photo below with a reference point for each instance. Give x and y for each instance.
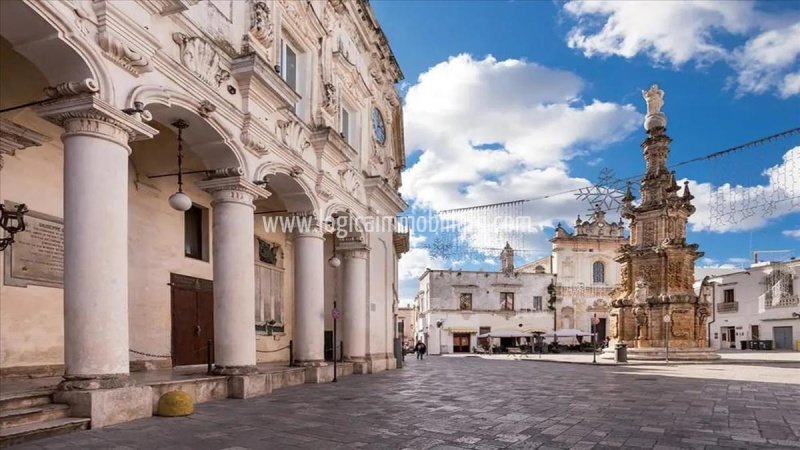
(291, 111)
(440, 296)
(585, 271)
(758, 303)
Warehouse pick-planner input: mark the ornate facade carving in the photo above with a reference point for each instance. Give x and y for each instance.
(201, 58)
(125, 54)
(348, 179)
(70, 88)
(657, 255)
(293, 136)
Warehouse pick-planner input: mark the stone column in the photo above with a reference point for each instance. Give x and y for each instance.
(354, 294)
(309, 297)
(234, 273)
(96, 151)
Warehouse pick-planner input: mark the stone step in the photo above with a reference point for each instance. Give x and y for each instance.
(41, 413)
(23, 433)
(28, 399)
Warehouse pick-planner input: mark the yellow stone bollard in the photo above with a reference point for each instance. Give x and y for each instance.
(175, 404)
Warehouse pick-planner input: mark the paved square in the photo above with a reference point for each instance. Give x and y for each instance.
(475, 403)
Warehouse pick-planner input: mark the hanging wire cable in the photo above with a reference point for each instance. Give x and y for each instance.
(717, 154)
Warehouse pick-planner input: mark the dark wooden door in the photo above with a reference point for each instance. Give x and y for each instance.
(192, 319)
(460, 343)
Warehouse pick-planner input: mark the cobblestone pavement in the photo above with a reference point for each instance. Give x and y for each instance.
(474, 403)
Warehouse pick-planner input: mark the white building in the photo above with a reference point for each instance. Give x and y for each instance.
(758, 303)
(283, 109)
(470, 303)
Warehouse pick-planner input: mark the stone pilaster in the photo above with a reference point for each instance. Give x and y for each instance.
(96, 150)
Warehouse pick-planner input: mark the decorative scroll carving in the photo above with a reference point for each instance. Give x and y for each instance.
(293, 136)
(124, 54)
(330, 103)
(200, 57)
(70, 88)
(324, 193)
(250, 141)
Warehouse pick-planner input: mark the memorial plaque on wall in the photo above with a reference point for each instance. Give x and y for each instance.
(37, 255)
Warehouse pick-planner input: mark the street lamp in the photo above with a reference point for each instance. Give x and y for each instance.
(12, 222)
(334, 262)
(551, 305)
(180, 201)
(439, 324)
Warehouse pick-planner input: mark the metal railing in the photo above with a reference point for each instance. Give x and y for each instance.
(785, 301)
(727, 307)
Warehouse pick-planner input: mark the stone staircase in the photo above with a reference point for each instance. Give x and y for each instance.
(25, 416)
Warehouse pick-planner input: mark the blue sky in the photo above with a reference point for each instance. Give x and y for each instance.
(553, 90)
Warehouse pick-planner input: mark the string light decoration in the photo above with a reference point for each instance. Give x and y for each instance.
(470, 234)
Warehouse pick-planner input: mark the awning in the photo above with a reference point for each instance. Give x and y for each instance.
(461, 330)
(504, 334)
(567, 333)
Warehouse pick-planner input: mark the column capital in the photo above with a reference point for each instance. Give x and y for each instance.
(307, 225)
(89, 115)
(354, 250)
(236, 189)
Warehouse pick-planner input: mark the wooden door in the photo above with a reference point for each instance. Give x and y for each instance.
(460, 343)
(192, 319)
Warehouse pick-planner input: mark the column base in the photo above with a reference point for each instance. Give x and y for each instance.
(248, 386)
(94, 382)
(234, 370)
(109, 406)
(312, 363)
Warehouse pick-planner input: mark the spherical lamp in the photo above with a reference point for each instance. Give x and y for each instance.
(180, 201)
(335, 261)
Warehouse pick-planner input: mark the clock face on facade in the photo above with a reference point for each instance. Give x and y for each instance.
(378, 127)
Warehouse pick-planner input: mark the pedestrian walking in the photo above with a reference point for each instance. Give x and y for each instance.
(420, 348)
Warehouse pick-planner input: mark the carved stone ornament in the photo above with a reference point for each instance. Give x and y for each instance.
(206, 108)
(329, 103)
(15, 137)
(293, 136)
(71, 88)
(124, 54)
(295, 171)
(349, 181)
(249, 139)
(324, 193)
(262, 28)
(201, 58)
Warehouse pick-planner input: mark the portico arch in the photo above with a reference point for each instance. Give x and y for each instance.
(56, 46)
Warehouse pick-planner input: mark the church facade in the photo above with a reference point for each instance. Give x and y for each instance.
(199, 176)
(586, 273)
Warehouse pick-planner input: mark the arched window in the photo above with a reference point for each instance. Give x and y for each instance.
(598, 272)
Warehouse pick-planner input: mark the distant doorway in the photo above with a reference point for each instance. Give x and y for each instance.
(728, 335)
(782, 337)
(461, 343)
(192, 319)
(600, 329)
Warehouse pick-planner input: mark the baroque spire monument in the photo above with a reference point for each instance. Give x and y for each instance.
(656, 302)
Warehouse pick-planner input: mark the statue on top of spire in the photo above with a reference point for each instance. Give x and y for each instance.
(654, 97)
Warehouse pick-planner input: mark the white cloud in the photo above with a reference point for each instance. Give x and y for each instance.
(739, 208)
(532, 116)
(792, 233)
(676, 32)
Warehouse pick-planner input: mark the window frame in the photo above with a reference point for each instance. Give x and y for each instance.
(504, 296)
(602, 272)
(725, 298)
(201, 231)
(461, 297)
(285, 44)
(540, 300)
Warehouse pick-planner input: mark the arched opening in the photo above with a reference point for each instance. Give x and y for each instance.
(170, 252)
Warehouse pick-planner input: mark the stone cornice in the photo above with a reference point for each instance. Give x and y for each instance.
(87, 114)
(15, 137)
(378, 189)
(330, 146)
(354, 250)
(251, 71)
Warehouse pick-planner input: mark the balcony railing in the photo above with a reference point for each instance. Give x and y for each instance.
(727, 307)
(786, 301)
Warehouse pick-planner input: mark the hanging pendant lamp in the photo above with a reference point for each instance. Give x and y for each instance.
(179, 200)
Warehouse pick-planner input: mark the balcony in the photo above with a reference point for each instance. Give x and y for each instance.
(728, 307)
(786, 301)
